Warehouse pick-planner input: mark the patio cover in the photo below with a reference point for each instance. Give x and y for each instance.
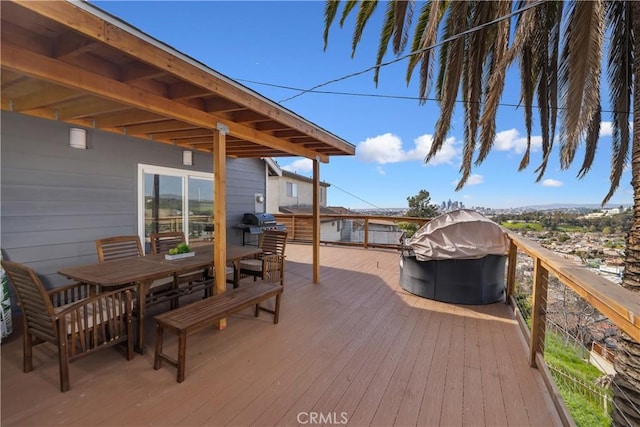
(461, 234)
(72, 62)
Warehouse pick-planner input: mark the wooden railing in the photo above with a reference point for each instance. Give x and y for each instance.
(367, 231)
(619, 305)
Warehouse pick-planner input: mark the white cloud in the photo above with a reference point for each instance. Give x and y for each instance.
(475, 179)
(552, 183)
(447, 153)
(380, 170)
(606, 128)
(381, 149)
(387, 148)
(510, 140)
(300, 165)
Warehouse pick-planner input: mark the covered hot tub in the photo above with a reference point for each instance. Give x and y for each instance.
(458, 257)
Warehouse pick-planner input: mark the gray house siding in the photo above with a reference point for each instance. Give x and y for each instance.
(56, 200)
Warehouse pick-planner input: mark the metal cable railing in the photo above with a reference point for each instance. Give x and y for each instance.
(546, 301)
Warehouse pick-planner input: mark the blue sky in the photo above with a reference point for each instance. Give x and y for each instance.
(263, 43)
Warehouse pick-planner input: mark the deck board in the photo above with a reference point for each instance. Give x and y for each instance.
(355, 345)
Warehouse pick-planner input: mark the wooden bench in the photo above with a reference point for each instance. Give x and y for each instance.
(198, 315)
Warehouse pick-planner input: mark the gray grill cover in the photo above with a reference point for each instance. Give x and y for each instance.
(461, 234)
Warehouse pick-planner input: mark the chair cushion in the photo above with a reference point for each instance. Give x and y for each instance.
(251, 264)
(160, 283)
(227, 271)
(108, 305)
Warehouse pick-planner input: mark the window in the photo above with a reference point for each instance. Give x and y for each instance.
(174, 200)
(292, 189)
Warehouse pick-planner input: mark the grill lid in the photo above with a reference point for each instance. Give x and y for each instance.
(258, 219)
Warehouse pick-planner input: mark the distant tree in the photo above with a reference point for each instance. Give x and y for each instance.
(420, 207)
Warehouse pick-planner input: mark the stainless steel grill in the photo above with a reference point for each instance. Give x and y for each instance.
(256, 223)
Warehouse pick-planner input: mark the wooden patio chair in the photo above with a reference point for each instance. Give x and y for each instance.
(73, 318)
(119, 247)
(112, 248)
(161, 243)
(269, 265)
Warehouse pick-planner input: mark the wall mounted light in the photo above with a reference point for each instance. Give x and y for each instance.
(78, 138)
(187, 158)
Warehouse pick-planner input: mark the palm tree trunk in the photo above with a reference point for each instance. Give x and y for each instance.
(626, 383)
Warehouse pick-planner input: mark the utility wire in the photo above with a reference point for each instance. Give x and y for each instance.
(376, 95)
(353, 195)
(447, 40)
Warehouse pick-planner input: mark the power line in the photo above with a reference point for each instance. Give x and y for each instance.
(353, 195)
(376, 95)
(402, 97)
(452, 38)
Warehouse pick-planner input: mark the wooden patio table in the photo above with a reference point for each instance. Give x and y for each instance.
(143, 271)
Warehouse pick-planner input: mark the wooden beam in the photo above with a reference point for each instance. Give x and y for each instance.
(248, 116)
(185, 90)
(127, 117)
(140, 71)
(220, 211)
(218, 105)
(270, 127)
(189, 133)
(69, 45)
(316, 221)
(89, 107)
(511, 270)
(47, 96)
(538, 311)
(164, 126)
(61, 73)
(12, 33)
(95, 27)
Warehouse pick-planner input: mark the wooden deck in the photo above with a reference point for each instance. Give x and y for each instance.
(354, 349)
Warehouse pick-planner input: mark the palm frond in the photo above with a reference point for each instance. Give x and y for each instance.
(591, 143)
(403, 17)
(425, 37)
(450, 72)
(330, 11)
(417, 43)
(618, 17)
(526, 97)
(477, 51)
(385, 36)
(348, 7)
(554, 20)
(580, 74)
(495, 82)
(364, 13)
(542, 68)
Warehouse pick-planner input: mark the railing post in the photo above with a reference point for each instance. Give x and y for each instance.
(538, 311)
(366, 233)
(511, 271)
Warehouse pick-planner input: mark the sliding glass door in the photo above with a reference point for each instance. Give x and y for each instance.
(200, 209)
(175, 200)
